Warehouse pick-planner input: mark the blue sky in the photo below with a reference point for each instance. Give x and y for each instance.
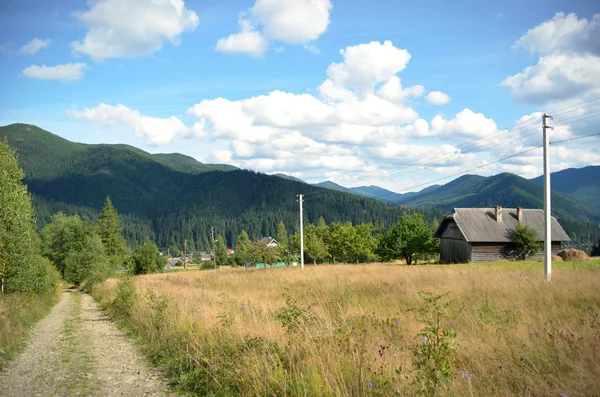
(352, 91)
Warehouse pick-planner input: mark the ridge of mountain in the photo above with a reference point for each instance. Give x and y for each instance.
(159, 202)
(582, 183)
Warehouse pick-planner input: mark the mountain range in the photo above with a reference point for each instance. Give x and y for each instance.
(172, 197)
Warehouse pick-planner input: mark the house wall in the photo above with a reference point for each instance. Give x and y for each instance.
(489, 252)
(454, 251)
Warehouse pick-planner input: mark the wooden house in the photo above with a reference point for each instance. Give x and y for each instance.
(485, 234)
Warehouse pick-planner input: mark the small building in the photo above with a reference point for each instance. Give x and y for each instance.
(205, 256)
(269, 242)
(485, 234)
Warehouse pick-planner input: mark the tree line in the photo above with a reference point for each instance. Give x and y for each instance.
(410, 239)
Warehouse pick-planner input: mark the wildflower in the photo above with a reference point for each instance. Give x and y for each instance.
(398, 320)
(563, 395)
(424, 341)
(370, 385)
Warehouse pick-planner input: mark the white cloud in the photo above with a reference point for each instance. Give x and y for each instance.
(65, 73)
(34, 46)
(556, 77)
(365, 65)
(466, 124)
(298, 22)
(392, 90)
(248, 41)
(157, 131)
(293, 22)
(564, 34)
(437, 98)
(130, 28)
(570, 63)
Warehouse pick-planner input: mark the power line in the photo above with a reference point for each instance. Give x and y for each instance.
(469, 170)
(510, 130)
(574, 139)
(571, 120)
(457, 153)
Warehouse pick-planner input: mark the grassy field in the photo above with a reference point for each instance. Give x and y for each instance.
(366, 330)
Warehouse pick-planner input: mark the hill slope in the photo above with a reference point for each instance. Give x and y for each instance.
(168, 205)
(182, 163)
(581, 183)
(507, 190)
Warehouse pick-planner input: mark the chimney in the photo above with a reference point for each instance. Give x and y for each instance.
(519, 214)
(498, 213)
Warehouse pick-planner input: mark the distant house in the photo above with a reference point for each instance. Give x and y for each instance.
(204, 256)
(230, 252)
(173, 261)
(485, 234)
(269, 241)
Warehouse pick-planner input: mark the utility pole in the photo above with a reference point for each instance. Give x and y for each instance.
(300, 196)
(185, 254)
(547, 207)
(212, 237)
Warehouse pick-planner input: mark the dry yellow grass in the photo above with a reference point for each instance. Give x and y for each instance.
(516, 333)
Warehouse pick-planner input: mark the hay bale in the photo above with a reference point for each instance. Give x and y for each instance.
(556, 258)
(573, 255)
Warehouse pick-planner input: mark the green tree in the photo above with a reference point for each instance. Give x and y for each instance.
(410, 239)
(525, 242)
(108, 227)
(147, 259)
(241, 249)
(90, 258)
(221, 251)
(363, 244)
(259, 252)
(21, 267)
(595, 249)
(281, 235)
(314, 246)
(62, 237)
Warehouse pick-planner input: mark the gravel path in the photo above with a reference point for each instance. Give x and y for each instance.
(77, 351)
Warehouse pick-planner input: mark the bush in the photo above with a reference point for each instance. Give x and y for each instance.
(525, 242)
(126, 296)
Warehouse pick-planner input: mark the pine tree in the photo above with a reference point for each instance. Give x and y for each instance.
(241, 249)
(109, 229)
(221, 251)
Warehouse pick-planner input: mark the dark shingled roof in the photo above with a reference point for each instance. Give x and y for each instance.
(480, 224)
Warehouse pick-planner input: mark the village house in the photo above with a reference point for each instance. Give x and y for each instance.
(485, 234)
(269, 242)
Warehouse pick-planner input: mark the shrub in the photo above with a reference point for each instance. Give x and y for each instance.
(525, 242)
(434, 355)
(126, 296)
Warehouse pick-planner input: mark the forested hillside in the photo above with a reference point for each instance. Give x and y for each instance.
(581, 183)
(162, 199)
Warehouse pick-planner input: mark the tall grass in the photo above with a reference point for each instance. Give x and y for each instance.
(358, 330)
(18, 313)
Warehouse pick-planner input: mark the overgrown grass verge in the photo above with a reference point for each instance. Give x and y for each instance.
(18, 313)
(368, 330)
(75, 360)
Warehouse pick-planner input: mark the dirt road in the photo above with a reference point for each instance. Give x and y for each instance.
(77, 351)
